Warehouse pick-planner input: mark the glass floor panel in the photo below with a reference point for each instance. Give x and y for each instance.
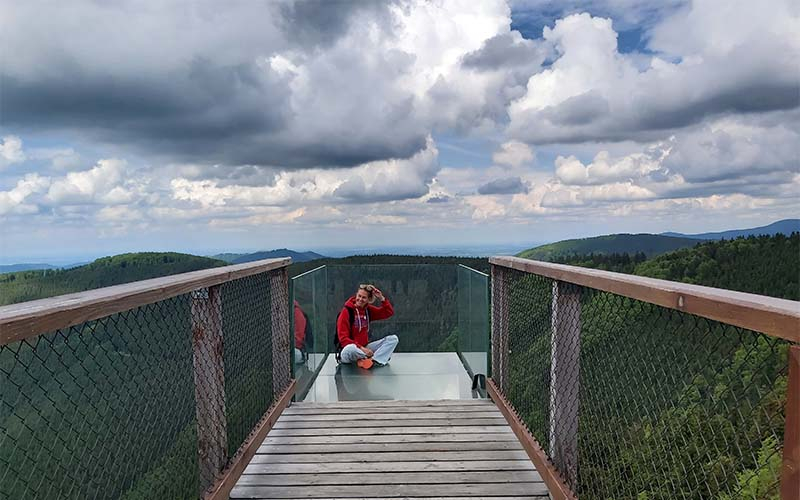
(412, 376)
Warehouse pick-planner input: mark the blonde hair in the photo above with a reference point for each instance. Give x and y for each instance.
(370, 289)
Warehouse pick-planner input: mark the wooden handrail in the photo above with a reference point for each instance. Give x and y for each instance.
(776, 317)
(29, 319)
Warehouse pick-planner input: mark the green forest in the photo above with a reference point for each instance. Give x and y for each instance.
(648, 244)
(671, 405)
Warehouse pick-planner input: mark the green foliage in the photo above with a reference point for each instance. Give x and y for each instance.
(671, 404)
(766, 265)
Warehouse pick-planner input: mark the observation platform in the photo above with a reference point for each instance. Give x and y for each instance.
(409, 376)
(454, 449)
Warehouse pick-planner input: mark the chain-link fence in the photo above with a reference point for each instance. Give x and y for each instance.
(151, 402)
(634, 400)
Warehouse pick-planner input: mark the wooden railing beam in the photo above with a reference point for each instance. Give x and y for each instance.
(29, 319)
(776, 317)
(790, 469)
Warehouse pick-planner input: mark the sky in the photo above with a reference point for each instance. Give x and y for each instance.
(206, 127)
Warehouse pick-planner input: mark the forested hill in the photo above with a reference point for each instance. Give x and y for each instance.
(648, 244)
(766, 265)
(125, 268)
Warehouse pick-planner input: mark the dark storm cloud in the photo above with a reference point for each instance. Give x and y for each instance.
(322, 22)
(578, 110)
(210, 109)
(509, 185)
(216, 95)
(503, 51)
(756, 97)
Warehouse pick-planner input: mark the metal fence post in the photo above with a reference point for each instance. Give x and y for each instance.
(209, 383)
(565, 379)
(281, 334)
(499, 329)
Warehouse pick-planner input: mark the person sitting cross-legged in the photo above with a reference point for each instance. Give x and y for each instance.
(352, 328)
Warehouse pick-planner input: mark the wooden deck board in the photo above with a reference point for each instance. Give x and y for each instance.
(422, 449)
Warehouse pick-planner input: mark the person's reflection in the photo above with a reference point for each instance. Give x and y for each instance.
(353, 384)
(303, 336)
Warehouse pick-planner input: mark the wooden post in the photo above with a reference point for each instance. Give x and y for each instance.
(565, 379)
(790, 470)
(209, 383)
(281, 334)
(499, 329)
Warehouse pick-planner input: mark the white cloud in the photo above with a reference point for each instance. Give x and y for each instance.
(592, 92)
(11, 151)
(14, 200)
(513, 154)
(376, 181)
(604, 169)
(106, 183)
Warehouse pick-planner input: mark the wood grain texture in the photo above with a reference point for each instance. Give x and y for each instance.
(475, 490)
(222, 488)
(466, 429)
(390, 438)
(558, 489)
(344, 457)
(396, 477)
(395, 456)
(374, 448)
(407, 422)
(391, 467)
(460, 410)
(389, 416)
(29, 319)
(776, 317)
(790, 468)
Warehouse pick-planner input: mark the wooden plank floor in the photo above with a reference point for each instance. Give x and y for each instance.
(450, 449)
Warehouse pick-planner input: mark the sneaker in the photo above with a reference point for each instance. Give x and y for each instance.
(365, 363)
(378, 363)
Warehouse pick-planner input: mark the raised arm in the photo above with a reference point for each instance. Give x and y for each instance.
(385, 310)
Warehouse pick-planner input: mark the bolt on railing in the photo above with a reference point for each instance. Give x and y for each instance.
(152, 389)
(631, 387)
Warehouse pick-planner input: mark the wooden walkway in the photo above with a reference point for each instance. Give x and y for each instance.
(453, 449)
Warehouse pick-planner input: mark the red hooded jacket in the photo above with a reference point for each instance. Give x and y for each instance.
(358, 332)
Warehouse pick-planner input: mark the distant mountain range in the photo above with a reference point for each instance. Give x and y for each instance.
(649, 244)
(241, 258)
(14, 268)
(786, 226)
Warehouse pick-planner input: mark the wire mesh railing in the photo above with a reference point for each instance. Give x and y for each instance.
(152, 396)
(632, 399)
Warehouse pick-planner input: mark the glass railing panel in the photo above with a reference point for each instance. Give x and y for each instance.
(423, 296)
(473, 319)
(312, 340)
